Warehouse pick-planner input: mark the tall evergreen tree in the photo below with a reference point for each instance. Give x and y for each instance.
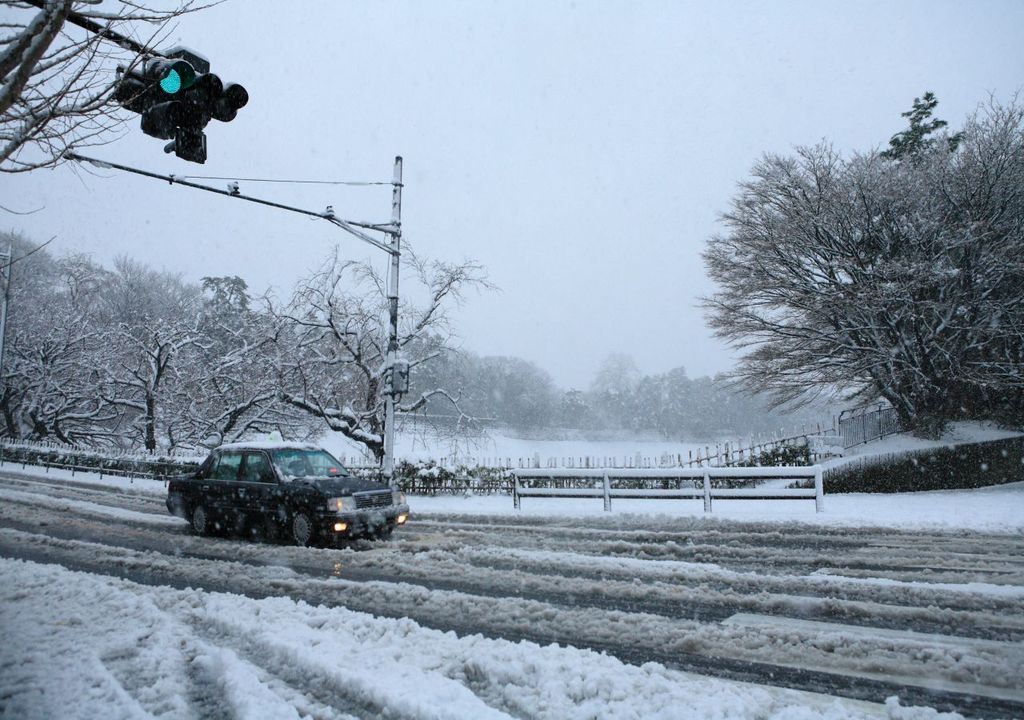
(910, 142)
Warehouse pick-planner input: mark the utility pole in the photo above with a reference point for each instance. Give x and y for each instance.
(5, 273)
(395, 232)
(392, 246)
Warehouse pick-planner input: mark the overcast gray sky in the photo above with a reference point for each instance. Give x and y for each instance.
(580, 151)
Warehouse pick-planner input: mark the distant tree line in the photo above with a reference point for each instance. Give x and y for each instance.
(516, 393)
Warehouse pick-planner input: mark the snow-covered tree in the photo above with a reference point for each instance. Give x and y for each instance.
(513, 389)
(334, 344)
(613, 390)
(233, 389)
(153, 322)
(54, 348)
(876, 277)
(57, 79)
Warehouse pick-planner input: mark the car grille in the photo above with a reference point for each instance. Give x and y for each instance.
(373, 499)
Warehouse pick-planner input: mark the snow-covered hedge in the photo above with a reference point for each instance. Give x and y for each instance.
(428, 478)
(132, 465)
(945, 468)
(785, 455)
(422, 478)
(431, 479)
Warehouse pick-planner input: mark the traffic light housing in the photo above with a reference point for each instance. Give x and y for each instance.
(177, 96)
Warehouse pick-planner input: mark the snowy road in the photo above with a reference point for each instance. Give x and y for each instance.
(935, 618)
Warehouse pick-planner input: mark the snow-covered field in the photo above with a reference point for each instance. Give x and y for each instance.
(497, 446)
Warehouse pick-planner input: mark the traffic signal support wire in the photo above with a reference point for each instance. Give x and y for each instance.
(349, 226)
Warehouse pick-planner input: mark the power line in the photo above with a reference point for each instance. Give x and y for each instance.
(349, 226)
(356, 183)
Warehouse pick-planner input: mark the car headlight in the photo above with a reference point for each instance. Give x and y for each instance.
(336, 504)
(397, 498)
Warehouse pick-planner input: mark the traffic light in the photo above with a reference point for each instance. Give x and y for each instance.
(158, 80)
(177, 96)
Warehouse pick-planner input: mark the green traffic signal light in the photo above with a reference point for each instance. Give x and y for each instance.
(171, 82)
(173, 76)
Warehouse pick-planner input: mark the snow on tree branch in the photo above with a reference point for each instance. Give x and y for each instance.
(874, 278)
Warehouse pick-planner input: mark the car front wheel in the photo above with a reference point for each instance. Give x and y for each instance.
(303, 532)
(200, 520)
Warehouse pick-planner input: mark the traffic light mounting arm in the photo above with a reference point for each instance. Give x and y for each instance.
(348, 226)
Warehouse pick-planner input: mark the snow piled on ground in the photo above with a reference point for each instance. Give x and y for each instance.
(88, 508)
(86, 646)
(956, 434)
(998, 508)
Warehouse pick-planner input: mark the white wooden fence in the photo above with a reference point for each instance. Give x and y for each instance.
(680, 475)
(821, 443)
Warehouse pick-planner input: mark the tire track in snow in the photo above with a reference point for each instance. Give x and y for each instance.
(650, 638)
(683, 598)
(205, 562)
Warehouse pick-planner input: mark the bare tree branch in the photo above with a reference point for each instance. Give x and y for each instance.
(57, 81)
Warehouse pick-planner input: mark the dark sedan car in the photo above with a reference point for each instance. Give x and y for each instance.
(294, 490)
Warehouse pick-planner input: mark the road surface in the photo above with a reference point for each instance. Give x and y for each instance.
(935, 618)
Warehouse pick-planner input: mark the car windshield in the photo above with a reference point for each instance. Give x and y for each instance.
(295, 462)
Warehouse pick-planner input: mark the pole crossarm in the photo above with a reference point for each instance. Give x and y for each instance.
(346, 225)
(389, 228)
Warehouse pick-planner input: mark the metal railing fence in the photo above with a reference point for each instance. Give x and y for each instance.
(862, 425)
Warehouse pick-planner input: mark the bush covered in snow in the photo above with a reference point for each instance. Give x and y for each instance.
(781, 456)
(133, 464)
(428, 478)
(968, 465)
